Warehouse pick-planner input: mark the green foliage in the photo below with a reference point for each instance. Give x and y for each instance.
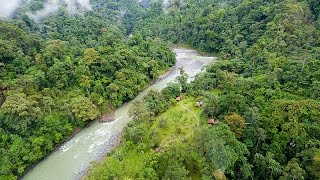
(269, 168)
(268, 77)
(171, 91)
(236, 123)
(81, 108)
(293, 171)
(184, 146)
(219, 146)
(310, 162)
(62, 71)
(182, 79)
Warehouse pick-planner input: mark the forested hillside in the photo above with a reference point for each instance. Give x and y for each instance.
(63, 65)
(61, 71)
(264, 93)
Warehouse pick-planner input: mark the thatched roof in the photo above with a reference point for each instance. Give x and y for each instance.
(157, 149)
(212, 121)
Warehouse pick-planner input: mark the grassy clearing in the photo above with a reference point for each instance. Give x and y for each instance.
(216, 92)
(177, 122)
(174, 125)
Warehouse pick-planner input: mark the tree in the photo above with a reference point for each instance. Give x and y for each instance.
(135, 133)
(236, 123)
(91, 56)
(232, 102)
(219, 175)
(182, 79)
(140, 112)
(220, 148)
(60, 74)
(176, 172)
(171, 91)
(315, 165)
(266, 166)
(292, 171)
(20, 111)
(155, 102)
(172, 163)
(315, 7)
(311, 162)
(211, 106)
(85, 82)
(136, 39)
(226, 79)
(82, 109)
(55, 49)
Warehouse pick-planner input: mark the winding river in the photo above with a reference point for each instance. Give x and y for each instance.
(73, 158)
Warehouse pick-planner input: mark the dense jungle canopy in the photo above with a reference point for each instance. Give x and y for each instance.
(61, 69)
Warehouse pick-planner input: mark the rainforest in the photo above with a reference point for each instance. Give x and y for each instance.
(253, 113)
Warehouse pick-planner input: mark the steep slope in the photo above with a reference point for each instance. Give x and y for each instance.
(265, 90)
(64, 71)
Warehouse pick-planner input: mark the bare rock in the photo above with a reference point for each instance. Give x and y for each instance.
(107, 117)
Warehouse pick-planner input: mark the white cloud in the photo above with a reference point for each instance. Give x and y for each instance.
(85, 4)
(8, 7)
(51, 6)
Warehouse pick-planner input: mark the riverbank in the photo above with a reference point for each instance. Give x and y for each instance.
(199, 51)
(175, 125)
(78, 129)
(94, 142)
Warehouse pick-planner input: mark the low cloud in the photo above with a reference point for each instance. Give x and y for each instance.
(85, 4)
(51, 6)
(8, 7)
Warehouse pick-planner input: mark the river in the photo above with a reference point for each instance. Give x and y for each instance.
(73, 157)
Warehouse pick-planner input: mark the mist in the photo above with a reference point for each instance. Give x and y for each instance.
(51, 6)
(8, 7)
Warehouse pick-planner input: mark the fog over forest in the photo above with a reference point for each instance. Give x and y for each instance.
(7, 8)
(70, 67)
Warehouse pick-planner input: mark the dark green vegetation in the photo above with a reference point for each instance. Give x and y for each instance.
(265, 92)
(66, 70)
(174, 145)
